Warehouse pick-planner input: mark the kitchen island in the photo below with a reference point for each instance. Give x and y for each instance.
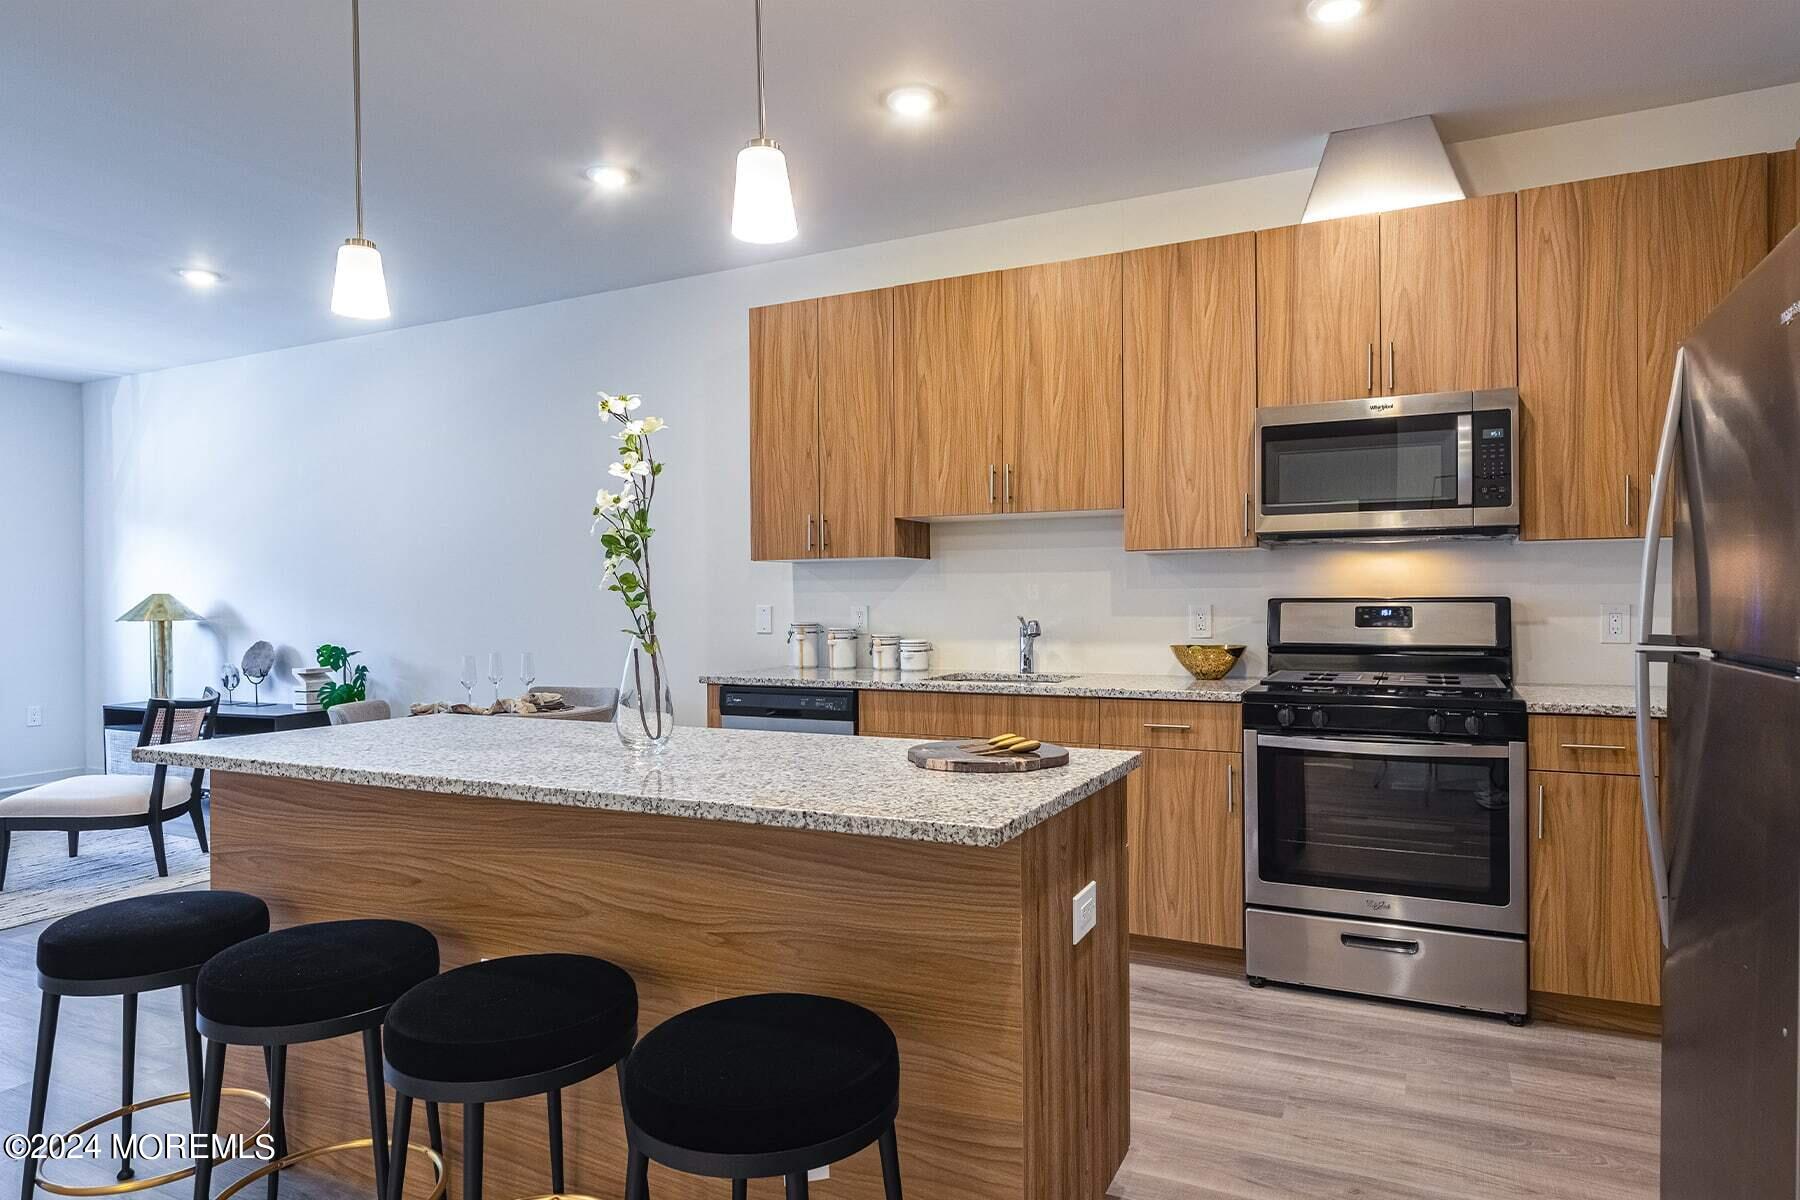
(740, 862)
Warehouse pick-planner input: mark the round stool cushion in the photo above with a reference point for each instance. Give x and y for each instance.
(315, 972)
(761, 1074)
(147, 935)
(508, 1017)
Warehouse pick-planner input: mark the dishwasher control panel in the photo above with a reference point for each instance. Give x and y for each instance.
(790, 710)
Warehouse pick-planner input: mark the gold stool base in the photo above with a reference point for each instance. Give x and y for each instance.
(126, 1186)
(299, 1156)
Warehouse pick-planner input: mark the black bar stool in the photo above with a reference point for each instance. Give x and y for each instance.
(528, 1025)
(760, 1086)
(125, 948)
(306, 984)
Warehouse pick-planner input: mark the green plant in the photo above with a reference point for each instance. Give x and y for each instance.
(352, 685)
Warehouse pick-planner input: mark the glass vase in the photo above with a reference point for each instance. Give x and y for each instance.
(645, 716)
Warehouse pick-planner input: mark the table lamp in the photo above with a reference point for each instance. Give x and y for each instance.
(161, 610)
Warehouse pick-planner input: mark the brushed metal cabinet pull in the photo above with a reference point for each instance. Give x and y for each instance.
(1230, 785)
(1009, 495)
(1246, 516)
(1370, 385)
(990, 485)
(809, 533)
(824, 533)
(1158, 725)
(1630, 509)
(1592, 746)
(1390, 385)
(1540, 812)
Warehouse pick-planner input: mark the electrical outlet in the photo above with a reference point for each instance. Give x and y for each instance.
(814, 1174)
(1199, 626)
(765, 618)
(34, 715)
(859, 616)
(1615, 624)
(1087, 910)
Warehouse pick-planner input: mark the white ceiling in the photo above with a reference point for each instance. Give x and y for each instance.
(138, 135)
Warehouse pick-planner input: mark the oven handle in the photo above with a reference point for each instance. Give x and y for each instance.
(1387, 749)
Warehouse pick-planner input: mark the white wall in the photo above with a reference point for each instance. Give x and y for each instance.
(40, 581)
(423, 493)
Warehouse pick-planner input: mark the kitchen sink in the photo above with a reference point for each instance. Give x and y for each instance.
(998, 677)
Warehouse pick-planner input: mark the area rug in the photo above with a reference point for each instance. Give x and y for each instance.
(42, 881)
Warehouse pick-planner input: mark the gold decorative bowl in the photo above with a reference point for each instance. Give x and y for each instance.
(1207, 660)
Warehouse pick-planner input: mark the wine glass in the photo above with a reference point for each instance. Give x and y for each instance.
(527, 671)
(467, 678)
(496, 672)
(229, 679)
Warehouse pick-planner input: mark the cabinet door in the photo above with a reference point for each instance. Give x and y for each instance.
(1449, 296)
(1318, 310)
(1063, 416)
(784, 430)
(1593, 912)
(1064, 720)
(1190, 393)
(1185, 845)
(951, 378)
(858, 478)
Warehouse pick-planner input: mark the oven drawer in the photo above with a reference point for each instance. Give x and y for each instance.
(1596, 745)
(1485, 972)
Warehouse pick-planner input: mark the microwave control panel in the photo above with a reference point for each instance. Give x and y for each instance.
(1493, 458)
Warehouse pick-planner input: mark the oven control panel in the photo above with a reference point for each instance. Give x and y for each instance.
(1443, 718)
(1493, 458)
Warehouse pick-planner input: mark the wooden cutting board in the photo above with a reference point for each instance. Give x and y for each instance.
(950, 756)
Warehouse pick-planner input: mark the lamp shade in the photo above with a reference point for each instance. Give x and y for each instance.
(762, 210)
(1378, 168)
(360, 289)
(160, 606)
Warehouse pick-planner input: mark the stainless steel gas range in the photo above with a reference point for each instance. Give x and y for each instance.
(1384, 803)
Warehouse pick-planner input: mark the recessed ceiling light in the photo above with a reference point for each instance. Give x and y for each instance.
(1335, 12)
(199, 277)
(913, 101)
(609, 178)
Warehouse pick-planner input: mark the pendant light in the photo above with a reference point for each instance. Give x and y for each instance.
(360, 288)
(762, 210)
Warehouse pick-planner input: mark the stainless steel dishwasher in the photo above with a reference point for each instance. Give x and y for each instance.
(790, 710)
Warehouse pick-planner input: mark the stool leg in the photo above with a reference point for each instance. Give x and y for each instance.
(433, 1129)
(40, 1083)
(472, 1115)
(796, 1186)
(275, 1061)
(402, 1138)
(74, 842)
(127, 1069)
(209, 1118)
(371, 1039)
(156, 848)
(637, 1174)
(553, 1099)
(740, 1189)
(190, 1036)
(890, 1164)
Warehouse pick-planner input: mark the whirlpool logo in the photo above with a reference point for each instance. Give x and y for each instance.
(1378, 905)
(1384, 405)
(1790, 312)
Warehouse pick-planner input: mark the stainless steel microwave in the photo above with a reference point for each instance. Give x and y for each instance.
(1444, 464)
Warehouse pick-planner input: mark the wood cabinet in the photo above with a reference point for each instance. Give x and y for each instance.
(1449, 296)
(950, 372)
(1318, 310)
(1171, 724)
(1613, 273)
(1185, 847)
(1596, 745)
(1784, 193)
(1594, 928)
(1190, 394)
(822, 423)
(1068, 721)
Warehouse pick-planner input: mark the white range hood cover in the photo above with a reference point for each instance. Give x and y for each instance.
(1401, 164)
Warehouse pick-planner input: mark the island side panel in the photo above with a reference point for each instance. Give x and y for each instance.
(929, 936)
(1077, 1003)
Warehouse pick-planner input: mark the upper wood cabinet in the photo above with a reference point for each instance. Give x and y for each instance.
(1449, 297)
(1613, 273)
(1318, 310)
(1190, 394)
(822, 425)
(1062, 449)
(1784, 193)
(950, 372)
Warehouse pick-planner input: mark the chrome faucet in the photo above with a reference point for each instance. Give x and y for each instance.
(1028, 634)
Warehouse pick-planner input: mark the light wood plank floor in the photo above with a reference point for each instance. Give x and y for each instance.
(1237, 1094)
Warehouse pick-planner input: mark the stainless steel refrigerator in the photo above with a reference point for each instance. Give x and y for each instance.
(1727, 859)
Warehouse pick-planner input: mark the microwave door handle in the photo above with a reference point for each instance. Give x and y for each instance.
(1465, 459)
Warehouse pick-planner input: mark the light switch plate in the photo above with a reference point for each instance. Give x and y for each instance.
(1615, 624)
(1087, 910)
(1199, 625)
(34, 715)
(765, 618)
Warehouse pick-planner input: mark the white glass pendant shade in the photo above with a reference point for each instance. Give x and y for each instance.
(360, 289)
(762, 210)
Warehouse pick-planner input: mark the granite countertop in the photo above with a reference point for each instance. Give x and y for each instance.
(1112, 687)
(792, 780)
(1589, 699)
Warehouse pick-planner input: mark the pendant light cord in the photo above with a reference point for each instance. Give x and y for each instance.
(762, 104)
(356, 101)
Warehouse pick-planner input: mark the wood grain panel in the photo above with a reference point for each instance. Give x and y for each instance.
(1602, 745)
(1068, 721)
(950, 377)
(1063, 444)
(1186, 832)
(1640, 1020)
(1318, 310)
(784, 430)
(1190, 394)
(1784, 193)
(1449, 296)
(859, 478)
(1172, 724)
(712, 705)
(947, 943)
(1594, 928)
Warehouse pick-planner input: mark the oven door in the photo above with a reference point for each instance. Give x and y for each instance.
(1430, 833)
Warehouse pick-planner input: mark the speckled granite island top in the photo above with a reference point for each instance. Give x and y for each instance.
(792, 780)
(1107, 687)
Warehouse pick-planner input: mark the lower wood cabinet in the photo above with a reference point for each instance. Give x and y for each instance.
(1185, 847)
(1068, 721)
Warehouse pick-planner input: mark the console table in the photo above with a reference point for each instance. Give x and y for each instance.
(122, 722)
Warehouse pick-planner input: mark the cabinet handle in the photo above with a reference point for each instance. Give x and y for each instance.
(990, 486)
(824, 533)
(1009, 501)
(1370, 386)
(1230, 785)
(1246, 516)
(809, 533)
(1155, 725)
(1540, 812)
(1390, 385)
(1591, 746)
(1630, 509)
